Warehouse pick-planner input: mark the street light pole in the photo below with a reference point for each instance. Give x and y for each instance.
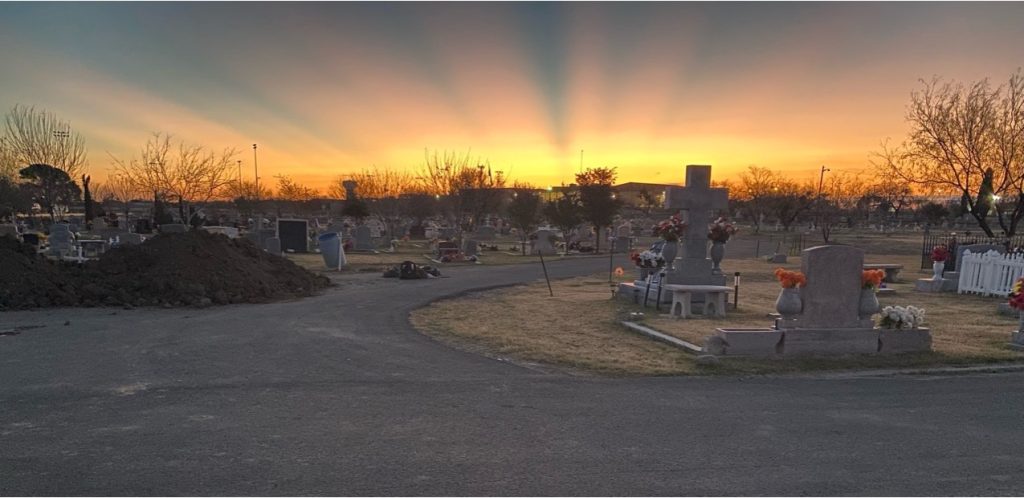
(240, 178)
(821, 179)
(256, 169)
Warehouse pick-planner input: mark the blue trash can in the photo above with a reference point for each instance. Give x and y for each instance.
(331, 250)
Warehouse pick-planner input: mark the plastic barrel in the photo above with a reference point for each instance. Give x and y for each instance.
(331, 250)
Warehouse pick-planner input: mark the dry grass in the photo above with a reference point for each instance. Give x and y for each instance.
(578, 327)
(414, 251)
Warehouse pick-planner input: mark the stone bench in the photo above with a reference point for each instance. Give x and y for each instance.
(891, 270)
(714, 300)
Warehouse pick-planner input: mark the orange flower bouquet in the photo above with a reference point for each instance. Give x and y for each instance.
(871, 279)
(790, 279)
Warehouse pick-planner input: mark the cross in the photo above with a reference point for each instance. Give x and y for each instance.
(700, 201)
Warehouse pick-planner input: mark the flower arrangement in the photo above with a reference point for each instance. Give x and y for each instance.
(721, 230)
(671, 229)
(647, 259)
(1016, 298)
(871, 279)
(901, 317)
(940, 254)
(790, 279)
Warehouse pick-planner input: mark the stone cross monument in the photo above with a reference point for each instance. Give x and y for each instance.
(700, 202)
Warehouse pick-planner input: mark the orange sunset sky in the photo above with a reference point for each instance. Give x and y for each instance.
(330, 88)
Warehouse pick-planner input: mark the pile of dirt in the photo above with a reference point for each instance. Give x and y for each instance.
(28, 280)
(189, 269)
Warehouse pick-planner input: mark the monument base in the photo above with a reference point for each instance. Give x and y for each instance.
(817, 341)
(634, 292)
(929, 285)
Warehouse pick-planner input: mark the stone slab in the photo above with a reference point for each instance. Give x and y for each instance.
(753, 342)
(830, 341)
(779, 259)
(833, 288)
(894, 341)
(929, 285)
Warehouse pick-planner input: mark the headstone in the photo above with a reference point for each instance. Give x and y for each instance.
(829, 321)
(173, 228)
(99, 224)
(699, 201)
(446, 248)
(294, 235)
(470, 247)
(60, 243)
(363, 240)
(543, 244)
(31, 238)
(272, 245)
(485, 232)
(143, 226)
(623, 239)
(446, 233)
(60, 228)
(832, 294)
(976, 249)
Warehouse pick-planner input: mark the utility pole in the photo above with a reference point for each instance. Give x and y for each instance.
(240, 178)
(256, 169)
(821, 179)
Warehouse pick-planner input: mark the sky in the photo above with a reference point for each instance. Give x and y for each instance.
(325, 89)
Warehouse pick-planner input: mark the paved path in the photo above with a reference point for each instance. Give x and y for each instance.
(338, 395)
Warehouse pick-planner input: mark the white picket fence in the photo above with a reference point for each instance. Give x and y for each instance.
(990, 274)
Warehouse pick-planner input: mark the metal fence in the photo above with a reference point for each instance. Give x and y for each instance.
(953, 239)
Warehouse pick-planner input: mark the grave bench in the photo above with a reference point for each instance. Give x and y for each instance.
(891, 270)
(714, 300)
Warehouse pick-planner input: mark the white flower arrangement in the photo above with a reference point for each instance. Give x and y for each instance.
(649, 256)
(901, 317)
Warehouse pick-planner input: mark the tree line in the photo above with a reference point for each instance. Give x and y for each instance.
(964, 140)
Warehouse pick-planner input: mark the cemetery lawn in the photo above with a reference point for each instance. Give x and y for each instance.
(579, 328)
(415, 251)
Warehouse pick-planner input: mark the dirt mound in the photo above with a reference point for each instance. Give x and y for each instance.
(28, 280)
(194, 268)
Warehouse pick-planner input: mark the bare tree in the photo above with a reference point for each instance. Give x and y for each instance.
(8, 161)
(789, 200)
(471, 189)
(34, 136)
(186, 173)
(123, 190)
(753, 193)
(967, 140)
(290, 190)
(245, 190)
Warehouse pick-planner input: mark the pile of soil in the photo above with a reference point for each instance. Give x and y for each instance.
(189, 269)
(28, 280)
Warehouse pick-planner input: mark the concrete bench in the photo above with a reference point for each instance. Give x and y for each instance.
(714, 300)
(891, 270)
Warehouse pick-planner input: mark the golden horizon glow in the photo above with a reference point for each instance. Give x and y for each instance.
(647, 89)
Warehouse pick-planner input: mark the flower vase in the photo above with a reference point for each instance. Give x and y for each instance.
(669, 252)
(937, 268)
(789, 304)
(868, 303)
(717, 252)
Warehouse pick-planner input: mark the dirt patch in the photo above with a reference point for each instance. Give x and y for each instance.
(194, 268)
